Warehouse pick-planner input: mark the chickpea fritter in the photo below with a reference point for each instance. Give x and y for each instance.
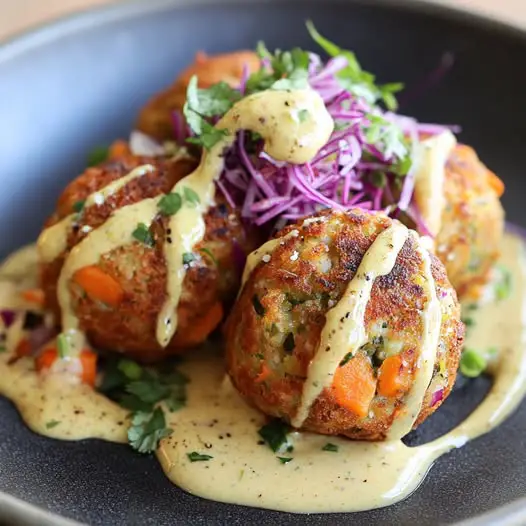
(134, 275)
(273, 331)
(472, 222)
(155, 119)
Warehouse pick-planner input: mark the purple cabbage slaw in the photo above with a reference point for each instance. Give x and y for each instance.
(349, 171)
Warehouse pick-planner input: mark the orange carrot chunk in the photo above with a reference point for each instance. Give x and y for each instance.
(118, 149)
(88, 359)
(34, 296)
(354, 385)
(496, 184)
(98, 285)
(202, 327)
(393, 379)
(263, 375)
(46, 359)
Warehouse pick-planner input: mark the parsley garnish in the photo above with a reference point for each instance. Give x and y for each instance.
(3, 348)
(140, 389)
(206, 103)
(188, 257)
(210, 255)
(79, 206)
(194, 456)
(503, 283)
(98, 155)
(346, 359)
(147, 430)
(333, 448)
(353, 78)
(62, 345)
(170, 204)
(260, 310)
(142, 233)
(472, 363)
(52, 423)
(284, 460)
(275, 434)
(191, 196)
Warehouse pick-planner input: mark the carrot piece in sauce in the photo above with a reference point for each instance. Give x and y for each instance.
(98, 285)
(392, 378)
(46, 359)
(88, 359)
(354, 385)
(34, 296)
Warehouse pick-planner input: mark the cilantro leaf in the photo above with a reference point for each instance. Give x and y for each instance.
(79, 206)
(284, 460)
(147, 429)
(142, 233)
(353, 78)
(194, 456)
(275, 434)
(52, 423)
(148, 390)
(210, 255)
(170, 204)
(333, 448)
(191, 196)
(188, 257)
(98, 155)
(209, 136)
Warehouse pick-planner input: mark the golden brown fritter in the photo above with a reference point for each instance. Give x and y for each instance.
(155, 118)
(274, 328)
(212, 278)
(472, 222)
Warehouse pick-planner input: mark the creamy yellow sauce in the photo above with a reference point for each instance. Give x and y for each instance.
(217, 422)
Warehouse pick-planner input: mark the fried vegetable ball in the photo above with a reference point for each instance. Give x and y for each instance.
(273, 331)
(155, 119)
(118, 299)
(472, 222)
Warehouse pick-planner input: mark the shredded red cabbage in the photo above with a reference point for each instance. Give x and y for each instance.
(351, 170)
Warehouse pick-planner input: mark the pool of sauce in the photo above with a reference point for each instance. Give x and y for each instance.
(217, 422)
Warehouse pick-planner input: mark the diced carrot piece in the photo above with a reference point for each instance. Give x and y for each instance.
(34, 296)
(88, 359)
(263, 375)
(23, 348)
(496, 183)
(118, 149)
(46, 359)
(98, 285)
(201, 328)
(354, 385)
(393, 379)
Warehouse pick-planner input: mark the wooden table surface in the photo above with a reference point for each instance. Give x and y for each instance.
(17, 15)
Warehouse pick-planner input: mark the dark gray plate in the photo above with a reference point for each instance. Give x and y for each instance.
(79, 82)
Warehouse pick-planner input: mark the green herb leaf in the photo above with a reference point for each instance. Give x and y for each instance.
(275, 434)
(353, 78)
(142, 233)
(346, 359)
(52, 423)
(132, 370)
(79, 206)
(191, 196)
(194, 456)
(147, 430)
(472, 363)
(260, 310)
(209, 136)
(63, 347)
(148, 390)
(296, 80)
(3, 348)
(284, 460)
(170, 204)
(503, 283)
(303, 115)
(188, 257)
(379, 179)
(333, 448)
(210, 255)
(98, 155)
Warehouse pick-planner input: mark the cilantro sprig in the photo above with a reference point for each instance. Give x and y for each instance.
(141, 390)
(275, 434)
(355, 79)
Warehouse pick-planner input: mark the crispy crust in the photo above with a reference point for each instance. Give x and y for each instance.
(140, 270)
(296, 292)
